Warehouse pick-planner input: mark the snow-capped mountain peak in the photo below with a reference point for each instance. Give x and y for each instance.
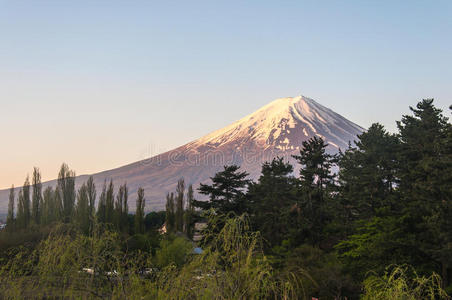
(284, 124)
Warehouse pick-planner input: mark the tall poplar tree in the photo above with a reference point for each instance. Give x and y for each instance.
(10, 219)
(110, 204)
(170, 215)
(180, 191)
(37, 196)
(102, 205)
(189, 215)
(48, 207)
(139, 214)
(66, 189)
(82, 213)
(20, 219)
(121, 208)
(91, 191)
(26, 202)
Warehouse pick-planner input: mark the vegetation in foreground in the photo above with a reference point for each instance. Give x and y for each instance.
(381, 228)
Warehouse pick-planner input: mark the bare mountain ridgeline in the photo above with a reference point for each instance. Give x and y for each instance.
(277, 129)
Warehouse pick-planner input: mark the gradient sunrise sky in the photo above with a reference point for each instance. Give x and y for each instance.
(99, 84)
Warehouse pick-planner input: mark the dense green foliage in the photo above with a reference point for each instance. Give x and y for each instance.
(372, 222)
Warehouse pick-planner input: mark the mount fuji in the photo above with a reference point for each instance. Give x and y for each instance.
(277, 129)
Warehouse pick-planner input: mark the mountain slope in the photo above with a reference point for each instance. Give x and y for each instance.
(277, 129)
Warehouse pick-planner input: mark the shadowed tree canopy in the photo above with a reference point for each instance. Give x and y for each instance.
(227, 191)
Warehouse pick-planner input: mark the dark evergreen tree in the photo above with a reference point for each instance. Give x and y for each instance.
(425, 183)
(37, 196)
(226, 193)
(272, 199)
(367, 175)
(316, 187)
(415, 228)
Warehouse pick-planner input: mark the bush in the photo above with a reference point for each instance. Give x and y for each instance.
(402, 282)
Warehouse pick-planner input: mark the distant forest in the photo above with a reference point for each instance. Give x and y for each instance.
(378, 228)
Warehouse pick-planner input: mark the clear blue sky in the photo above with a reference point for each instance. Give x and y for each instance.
(102, 83)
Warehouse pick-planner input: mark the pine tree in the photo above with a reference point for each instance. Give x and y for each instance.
(139, 215)
(10, 219)
(226, 193)
(66, 189)
(180, 191)
(272, 198)
(425, 179)
(37, 196)
(367, 175)
(316, 181)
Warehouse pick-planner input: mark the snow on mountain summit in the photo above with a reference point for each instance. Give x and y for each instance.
(284, 124)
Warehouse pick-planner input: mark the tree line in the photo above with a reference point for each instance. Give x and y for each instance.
(37, 207)
(390, 203)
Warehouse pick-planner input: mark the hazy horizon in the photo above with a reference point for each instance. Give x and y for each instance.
(100, 85)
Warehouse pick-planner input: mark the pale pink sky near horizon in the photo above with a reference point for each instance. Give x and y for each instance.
(100, 84)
